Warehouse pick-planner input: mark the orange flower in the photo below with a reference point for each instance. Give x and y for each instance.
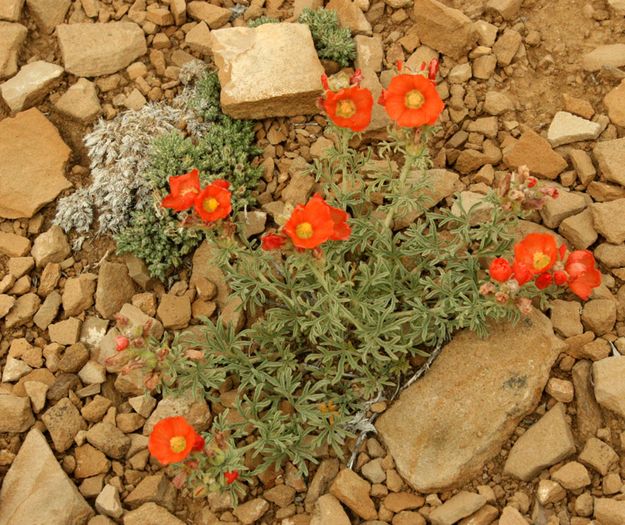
(213, 202)
(315, 223)
(183, 190)
(412, 101)
(349, 107)
(536, 253)
(172, 440)
(271, 241)
(583, 275)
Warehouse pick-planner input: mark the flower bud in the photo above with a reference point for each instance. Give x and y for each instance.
(121, 343)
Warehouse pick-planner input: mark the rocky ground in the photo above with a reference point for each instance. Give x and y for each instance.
(525, 427)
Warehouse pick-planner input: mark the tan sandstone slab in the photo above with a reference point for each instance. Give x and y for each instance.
(536, 153)
(610, 155)
(30, 85)
(12, 37)
(28, 182)
(11, 10)
(268, 71)
(444, 428)
(36, 490)
(90, 50)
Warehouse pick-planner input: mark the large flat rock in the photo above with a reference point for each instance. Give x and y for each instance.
(32, 164)
(90, 50)
(12, 37)
(444, 428)
(269, 71)
(37, 491)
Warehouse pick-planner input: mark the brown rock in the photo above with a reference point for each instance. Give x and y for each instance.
(459, 506)
(598, 455)
(78, 294)
(11, 10)
(199, 39)
(23, 310)
(537, 154)
(609, 220)
(429, 440)
(511, 516)
(213, 15)
(155, 489)
(609, 385)
(50, 247)
(195, 410)
(351, 490)
(325, 474)
(565, 316)
(605, 55)
(609, 511)
(90, 462)
(48, 13)
(272, 70)
(599, 315)
(545, 443)
(579, 230)
(31, 85)
(115, 288)
(329, 510)
(80, 102)
(615, 102)
(507, 46)
(28, 182)
(610, 155)
(350, 16)
(14, 246)
(90, 50)
(572, 476)
(109, 439)
(174, 311)
(151, 514)
(63, 422)
(15, 414)
(396, 502)
(251, 511)
(442, 28)
(12, 37)
(65, 332)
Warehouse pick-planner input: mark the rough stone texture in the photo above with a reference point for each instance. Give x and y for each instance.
(48, 13)
(579, 230)
(151, 514)
(63, 422)
(36, 490)
(606, 55)
(198, 39)
(610, 511)
(351, 490)
(442, 28)
(115, 288)
(598, 455)
(610, 155)
(329, 510)
(80, 102)
(11, 10)
(350, 16)
(109, 439)
(508, 9)
(91, 50)
(196, 412)
(545, 443)
(536, 153)
(435, 432)
(214, 16)
(566, 128)
(556, 210)
(608, 377)
(28, 182)
(615, 102)
(50, 247)
(454, 509)
(30, 85)
(12, 37)
(15, 414)
(609, 220)
(511, 516)
(251, 511)
(269, 71)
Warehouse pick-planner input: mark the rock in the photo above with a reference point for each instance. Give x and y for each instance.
(507, 9)
(351, 490)
(269, 71)
(545, 443)
(196, 412)
(11, 10)
(90, 50)
(213, 15)
(14, 246)
(565, 316)
(251, 511)
(572, 476)
(373, 471)
(598, 455)
(108, 502)
(560, 389)
(115, 288)
(23, 310)
(15, 415)
(205, 269)
(36, 392)
(150, 514)
(109, 439)
(50, 247)
(369, 53)
(610, 255)
(329, 510)
(566, 128)
(28, 182)
(614, 101)
(6, 303)
(36, 490)
(396, 502)
(609, 221)
(599, 315)
(588, 418)
(80, 102)
(507, 46)
(556, 210)
(497, 103)
(30, 85)
(507, 395)
(609, 511)
(537, 154)
(92, 373)
(350, 16)
(579, 230)
(325, 474)
(78, 294)
(14, 369)
(484, 67)
(74, 358)
(608, 382)
(511, 516)
(95, 409)
(48, 13)
(474, 205)
(199, 39)
(610, 155)
(618, 6)
(63, 422)
(606, 55)
(174, 311)
(12, 37)
(65, 332)
(442, 28)
(152, 489)
(454, 509)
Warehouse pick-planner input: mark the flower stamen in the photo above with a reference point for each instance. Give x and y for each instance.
(177, 444)
(414, 99)
(304, 230)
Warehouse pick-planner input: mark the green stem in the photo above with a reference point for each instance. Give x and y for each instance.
(406, 169)
(345, 136)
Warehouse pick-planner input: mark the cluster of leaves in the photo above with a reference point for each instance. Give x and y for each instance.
(262, 20)
(225, 150)
(332, 333)
(332, 41)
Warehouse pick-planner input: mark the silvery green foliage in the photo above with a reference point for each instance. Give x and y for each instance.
(119, 153)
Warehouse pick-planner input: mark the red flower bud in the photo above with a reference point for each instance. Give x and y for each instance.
(271, 241)
(199, 444)
(121, 343)
(500, 270)
(560, 277)
(531, 182)
(433, 70)
(231, 476)
(543, 281)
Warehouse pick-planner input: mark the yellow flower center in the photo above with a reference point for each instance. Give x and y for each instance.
(304, 230)
(345, 108)
(541, 261)
(414, 99)
(211, 204)
(177, 444)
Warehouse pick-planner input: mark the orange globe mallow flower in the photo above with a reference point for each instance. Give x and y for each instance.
(583, 276)
(412, 101)
(315, 223)
(182, 191)
(349, 107)
(173, 439)
(214, 201)
(536, 253)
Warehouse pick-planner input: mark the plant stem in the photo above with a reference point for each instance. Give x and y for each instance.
(406, 168)
(345, 136)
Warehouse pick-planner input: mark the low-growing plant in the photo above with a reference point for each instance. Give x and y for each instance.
(332, 41)
(340, 303)
(262, 20)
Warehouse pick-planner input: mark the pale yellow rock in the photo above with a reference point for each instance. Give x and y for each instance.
(48, 13)
(80, 101)
(30, 85)
(11, 10)
(12, 37)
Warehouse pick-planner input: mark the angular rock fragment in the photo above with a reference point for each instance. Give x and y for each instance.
(30, 85)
